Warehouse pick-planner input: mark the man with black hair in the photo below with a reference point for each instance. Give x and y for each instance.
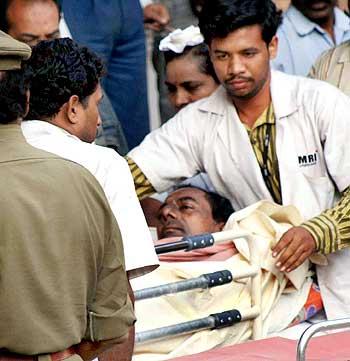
(63, 289)
(63, 119)
(309, 28)
(190, 210)
(32, 21)
(263, 135)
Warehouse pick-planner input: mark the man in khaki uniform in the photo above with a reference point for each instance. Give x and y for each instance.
(63, 285)
(333, 66)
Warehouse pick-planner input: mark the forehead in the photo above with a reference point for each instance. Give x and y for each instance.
(21, 13)
(183, 67)
(242, 38)
(197, 195)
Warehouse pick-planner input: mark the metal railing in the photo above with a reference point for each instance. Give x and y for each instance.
(316, 328)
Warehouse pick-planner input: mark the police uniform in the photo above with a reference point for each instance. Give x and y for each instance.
(63, 276)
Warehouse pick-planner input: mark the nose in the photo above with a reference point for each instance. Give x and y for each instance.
(236, 66)
(99, 120)
(167, 212)
(182, 98)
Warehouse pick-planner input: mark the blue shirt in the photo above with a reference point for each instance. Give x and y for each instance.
(301, 41)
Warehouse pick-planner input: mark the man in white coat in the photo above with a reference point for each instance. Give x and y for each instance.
(264, 135)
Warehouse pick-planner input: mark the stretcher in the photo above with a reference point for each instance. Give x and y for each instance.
(226, 318)
(268, 349)
(331, 347)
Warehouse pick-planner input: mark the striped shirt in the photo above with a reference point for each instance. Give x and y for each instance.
(331, 229)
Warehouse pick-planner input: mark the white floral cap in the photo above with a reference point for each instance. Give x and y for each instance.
(179, 39)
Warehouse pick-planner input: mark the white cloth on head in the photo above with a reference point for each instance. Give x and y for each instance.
(177, 40)
(112, 172)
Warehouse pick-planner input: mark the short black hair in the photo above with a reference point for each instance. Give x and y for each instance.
(221, 207)
(4, 5)
(200, 51)
(219, 18)
(60, 68)
(13, 96)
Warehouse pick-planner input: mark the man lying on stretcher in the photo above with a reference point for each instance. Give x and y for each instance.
(285, 297)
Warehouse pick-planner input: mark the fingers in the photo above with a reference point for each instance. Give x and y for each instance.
(289, 254)
(294, 247)
(302, 258)
(156, 16)
(282, 243)
(295, 260)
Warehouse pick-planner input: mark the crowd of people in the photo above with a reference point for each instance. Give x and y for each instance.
(254, 105)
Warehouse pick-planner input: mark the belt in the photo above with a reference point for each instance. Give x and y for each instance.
(62, 355)
(55, 356)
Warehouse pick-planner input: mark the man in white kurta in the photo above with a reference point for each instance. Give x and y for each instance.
(112, 172)
(308, 158)
(68, 125)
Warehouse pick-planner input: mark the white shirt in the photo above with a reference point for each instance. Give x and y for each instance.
(312, 136)
(113, 174)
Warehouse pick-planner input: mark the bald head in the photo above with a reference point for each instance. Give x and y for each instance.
(32, 21)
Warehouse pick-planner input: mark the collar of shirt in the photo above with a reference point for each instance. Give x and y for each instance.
(264, 118)
(282, 92)
(36, 128)
(303, 26)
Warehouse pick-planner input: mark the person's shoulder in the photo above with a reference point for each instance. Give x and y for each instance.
(300, 83)
(289, 19)
(330, 58)
(306, 92)
(72, 175)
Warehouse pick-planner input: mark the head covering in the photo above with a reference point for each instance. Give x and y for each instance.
(179, 39)
(12, 52)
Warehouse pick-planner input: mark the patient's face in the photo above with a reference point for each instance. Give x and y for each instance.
(186, 212)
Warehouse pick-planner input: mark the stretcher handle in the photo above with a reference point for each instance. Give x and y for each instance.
(226, 319)
(187, 243)
(207, 280)
(214, 321)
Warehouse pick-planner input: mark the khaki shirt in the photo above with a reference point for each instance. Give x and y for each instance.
(61, 257)
(334, 67)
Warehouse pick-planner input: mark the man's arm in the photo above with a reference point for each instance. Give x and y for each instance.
(329, 232)
(117, 349)
(171, 153)
(143, 186)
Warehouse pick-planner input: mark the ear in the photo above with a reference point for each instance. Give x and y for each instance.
(273, 47)
(26, 111)
(219, 226)
(72, 110)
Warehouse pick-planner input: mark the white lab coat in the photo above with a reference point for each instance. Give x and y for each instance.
(312, 135)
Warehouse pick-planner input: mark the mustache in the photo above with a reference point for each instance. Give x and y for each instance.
(172, 224)
(237, 78)
(311, 2)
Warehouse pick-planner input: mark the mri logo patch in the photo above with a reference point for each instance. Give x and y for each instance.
(308, 159)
